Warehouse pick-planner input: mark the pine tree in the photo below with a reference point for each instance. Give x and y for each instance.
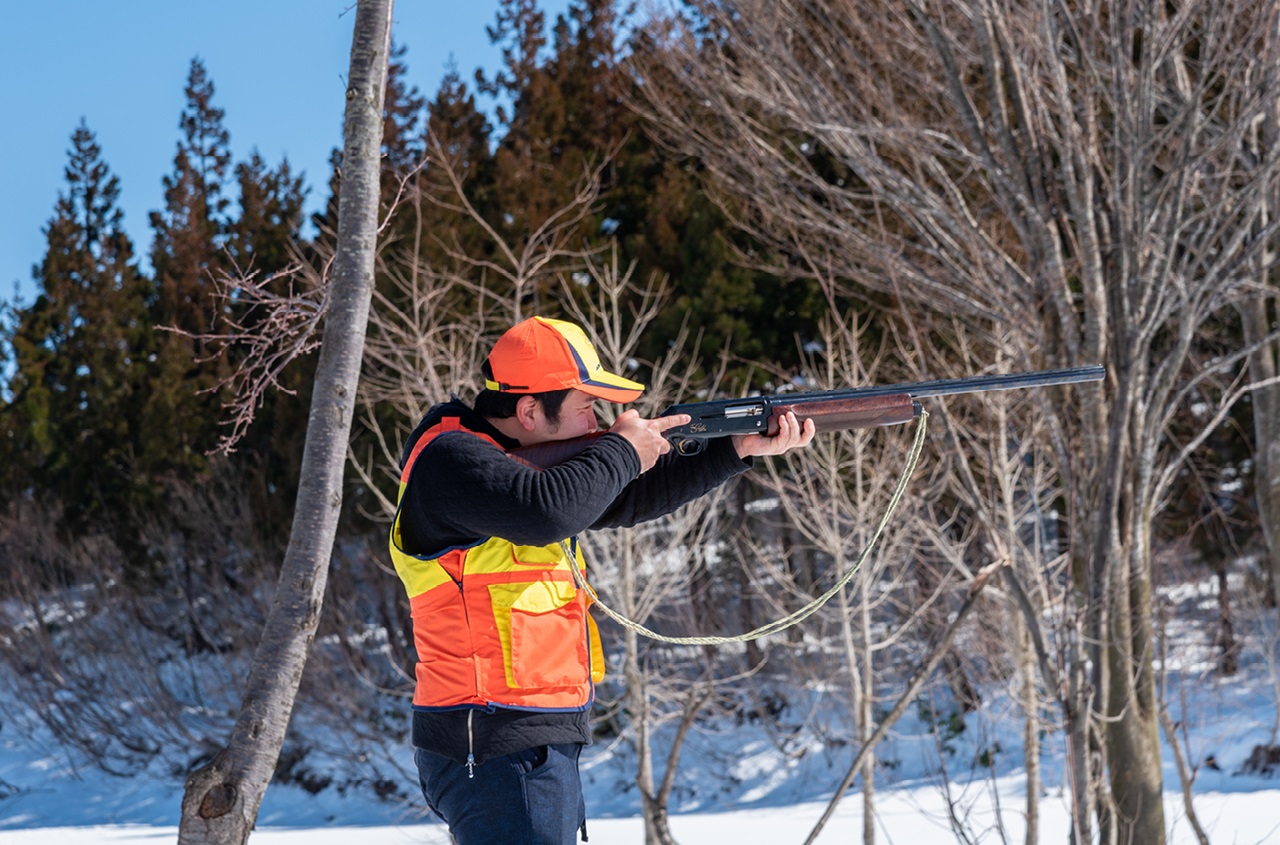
(80, 352)
(520, 27)
(460, 133)
(459, 125)
(573, 111)
(402, 148)
(264, 239)
(261, 238)
(180, 424)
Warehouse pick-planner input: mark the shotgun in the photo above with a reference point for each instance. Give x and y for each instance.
(830, 410)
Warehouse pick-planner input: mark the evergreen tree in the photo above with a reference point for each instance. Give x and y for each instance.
(462, 129)
(180, 424)
(265, 239)
(261, 238)
(520, 27)
(402, 115)
(462, 133)
(530, 188)
(80, 353)
(572, 111)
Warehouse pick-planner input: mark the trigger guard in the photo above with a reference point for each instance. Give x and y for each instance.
(688, 445)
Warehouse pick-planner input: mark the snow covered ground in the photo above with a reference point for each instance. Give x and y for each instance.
(46, 801)
(746, 783)
(915, 815)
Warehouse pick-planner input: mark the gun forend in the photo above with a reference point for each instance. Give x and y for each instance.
(843, 414)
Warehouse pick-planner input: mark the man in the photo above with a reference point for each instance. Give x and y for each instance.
(507, 653)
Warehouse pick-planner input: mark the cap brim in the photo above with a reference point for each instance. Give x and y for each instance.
(611, 388)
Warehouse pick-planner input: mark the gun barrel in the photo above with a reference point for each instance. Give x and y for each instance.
(972, 384)
(1012, 381)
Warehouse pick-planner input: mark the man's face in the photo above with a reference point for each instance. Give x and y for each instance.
(577, 417)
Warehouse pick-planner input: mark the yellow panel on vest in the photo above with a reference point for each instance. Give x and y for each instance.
(419, 575)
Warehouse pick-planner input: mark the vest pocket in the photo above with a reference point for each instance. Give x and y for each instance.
(446, 672)
(549, 649)
(541, 557)
(546, 633)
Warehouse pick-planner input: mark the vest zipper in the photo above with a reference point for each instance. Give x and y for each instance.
(471, 756)
(471, 744)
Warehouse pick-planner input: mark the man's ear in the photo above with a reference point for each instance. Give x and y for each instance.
(526, 412)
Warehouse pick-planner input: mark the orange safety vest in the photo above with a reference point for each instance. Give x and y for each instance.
(495, 623)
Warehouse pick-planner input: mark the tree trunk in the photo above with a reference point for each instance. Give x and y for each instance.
(1025, 657)
(861, 689)
(866, 717)
(742, 527)
(1225, 639)
(221, 801)
(656, 831)
(1256, 319)
(1132, 721)
(1263, 365)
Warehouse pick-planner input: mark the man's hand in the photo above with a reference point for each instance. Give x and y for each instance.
(791, 435)
(645, 436)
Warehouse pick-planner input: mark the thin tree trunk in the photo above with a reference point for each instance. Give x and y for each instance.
(221, 801)
(1256, 318)
(1025, 657)
(1132, 729)
(1078, 741)
(1263, 366)
(1225, 639)
(742, 548)
(638, 709)
(1186, 777)
(916, 682)
(866, 719)
(861, 686)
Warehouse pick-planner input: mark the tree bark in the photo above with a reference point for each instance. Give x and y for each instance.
(1264, 365)
(221, 801)
(1025, 659)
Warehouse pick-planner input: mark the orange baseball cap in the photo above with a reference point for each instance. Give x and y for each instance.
(540, 354)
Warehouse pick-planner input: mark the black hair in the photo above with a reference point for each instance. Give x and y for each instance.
(500, 405)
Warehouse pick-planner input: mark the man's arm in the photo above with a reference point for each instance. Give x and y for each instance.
(674, 481)
(462, 490)
(678, 479)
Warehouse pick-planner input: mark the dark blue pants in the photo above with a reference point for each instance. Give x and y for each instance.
(532, 797)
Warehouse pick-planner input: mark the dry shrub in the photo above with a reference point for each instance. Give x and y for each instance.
(122, 668)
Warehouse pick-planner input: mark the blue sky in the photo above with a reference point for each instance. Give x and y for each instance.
(277, 65)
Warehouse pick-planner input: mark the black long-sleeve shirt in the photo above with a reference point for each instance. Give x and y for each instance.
(462, 490)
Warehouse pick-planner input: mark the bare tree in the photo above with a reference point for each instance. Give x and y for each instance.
(833, 494)
(73, 608)
(220, 805)
(1063, 176)
(647, 570)
(1005, 485)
